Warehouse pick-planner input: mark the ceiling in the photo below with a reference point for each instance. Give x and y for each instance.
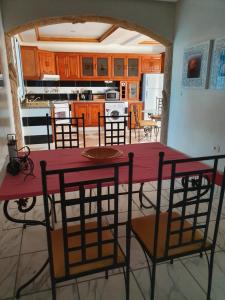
(89, 37)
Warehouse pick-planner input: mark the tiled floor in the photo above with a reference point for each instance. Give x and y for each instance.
(23, 251)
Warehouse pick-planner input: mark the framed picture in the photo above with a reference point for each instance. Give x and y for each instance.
(217, 77)
(196, 65)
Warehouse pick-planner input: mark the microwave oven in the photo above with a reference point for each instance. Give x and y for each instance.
(112, 95)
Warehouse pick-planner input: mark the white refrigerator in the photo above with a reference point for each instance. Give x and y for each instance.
(152, 86)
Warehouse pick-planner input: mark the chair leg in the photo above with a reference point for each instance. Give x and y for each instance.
(127, 283)
(106, 275)
(210, 275)
(141, 194)
(153, 281)
(53, 292)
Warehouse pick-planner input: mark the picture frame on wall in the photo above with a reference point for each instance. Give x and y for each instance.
(196, 65)
(217, 77)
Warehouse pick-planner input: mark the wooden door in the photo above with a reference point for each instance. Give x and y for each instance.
(30, 63)
(62, 66)
(94, 109)
(133, 67)
(103, 67)
(133, 90)
(73, 67)
(151, 64)
(118, 67)
(82, 108)
(47, 62)
(87, 66)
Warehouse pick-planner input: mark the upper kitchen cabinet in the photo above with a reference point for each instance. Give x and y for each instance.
(30, 63)
(125, 67)
(118, 67)
(47, 62)
(152, 63)
(95, 66)
(67, 66)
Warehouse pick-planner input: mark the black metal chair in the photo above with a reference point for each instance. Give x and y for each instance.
(115, 132)
(65, 131)
(88, 242)
(183, 229)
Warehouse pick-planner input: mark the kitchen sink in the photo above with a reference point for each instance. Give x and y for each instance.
(37, 104)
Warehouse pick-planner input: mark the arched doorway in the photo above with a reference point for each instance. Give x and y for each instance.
(82, 19)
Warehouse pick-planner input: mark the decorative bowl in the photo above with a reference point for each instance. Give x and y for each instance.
(102, 153)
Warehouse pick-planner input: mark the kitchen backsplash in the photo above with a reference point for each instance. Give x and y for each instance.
(65, 90)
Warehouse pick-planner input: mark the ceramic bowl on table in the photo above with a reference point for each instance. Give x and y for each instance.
(102, 154)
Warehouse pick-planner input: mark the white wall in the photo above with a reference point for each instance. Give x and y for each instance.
(154, 15)
(6, 114)
(197, 116)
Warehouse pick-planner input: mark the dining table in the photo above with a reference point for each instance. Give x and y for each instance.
(20, 188)
(145, 169)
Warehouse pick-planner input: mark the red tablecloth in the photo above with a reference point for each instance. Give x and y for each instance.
(146, 158)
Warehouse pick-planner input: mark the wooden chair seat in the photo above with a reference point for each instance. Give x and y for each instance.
(144, 229)
(91, 252)
(147, 123)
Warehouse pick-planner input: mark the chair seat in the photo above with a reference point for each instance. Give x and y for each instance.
(91, 252)
(144, 228)
(149, 123)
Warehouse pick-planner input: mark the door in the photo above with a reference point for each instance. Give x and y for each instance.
(79, 109)
(94, 109)
(118, 67)
(133, 90)
(30, 63)
(133, 68)
(103, 67)
(47, 62)
(62, 66)
(87, 67)
(73, 66)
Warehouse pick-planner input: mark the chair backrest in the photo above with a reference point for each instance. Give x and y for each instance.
(65, 131)
(135, 114)
(191, 195)
(75, 198)
(115, 132)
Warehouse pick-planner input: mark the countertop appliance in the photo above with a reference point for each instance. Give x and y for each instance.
(62, 110)
(86, 95)
(152, 87)
(112, 95)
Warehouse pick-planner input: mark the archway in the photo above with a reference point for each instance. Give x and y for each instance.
(81, 19)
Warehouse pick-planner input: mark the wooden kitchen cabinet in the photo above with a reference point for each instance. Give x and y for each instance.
(139, 108)
(90, 111)
(118, 67)
(152, 63)
(129, 90)
(67, 66)
(30, 63)
(46, 62)
(95, 67)
(125, 67)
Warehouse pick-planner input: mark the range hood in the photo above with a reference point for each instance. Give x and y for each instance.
(50, 77)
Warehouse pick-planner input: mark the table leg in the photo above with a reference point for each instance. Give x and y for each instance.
(31, 279)
(22, 207)
(142, 195)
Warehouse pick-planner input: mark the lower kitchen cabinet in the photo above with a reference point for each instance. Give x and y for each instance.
(90, 111)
